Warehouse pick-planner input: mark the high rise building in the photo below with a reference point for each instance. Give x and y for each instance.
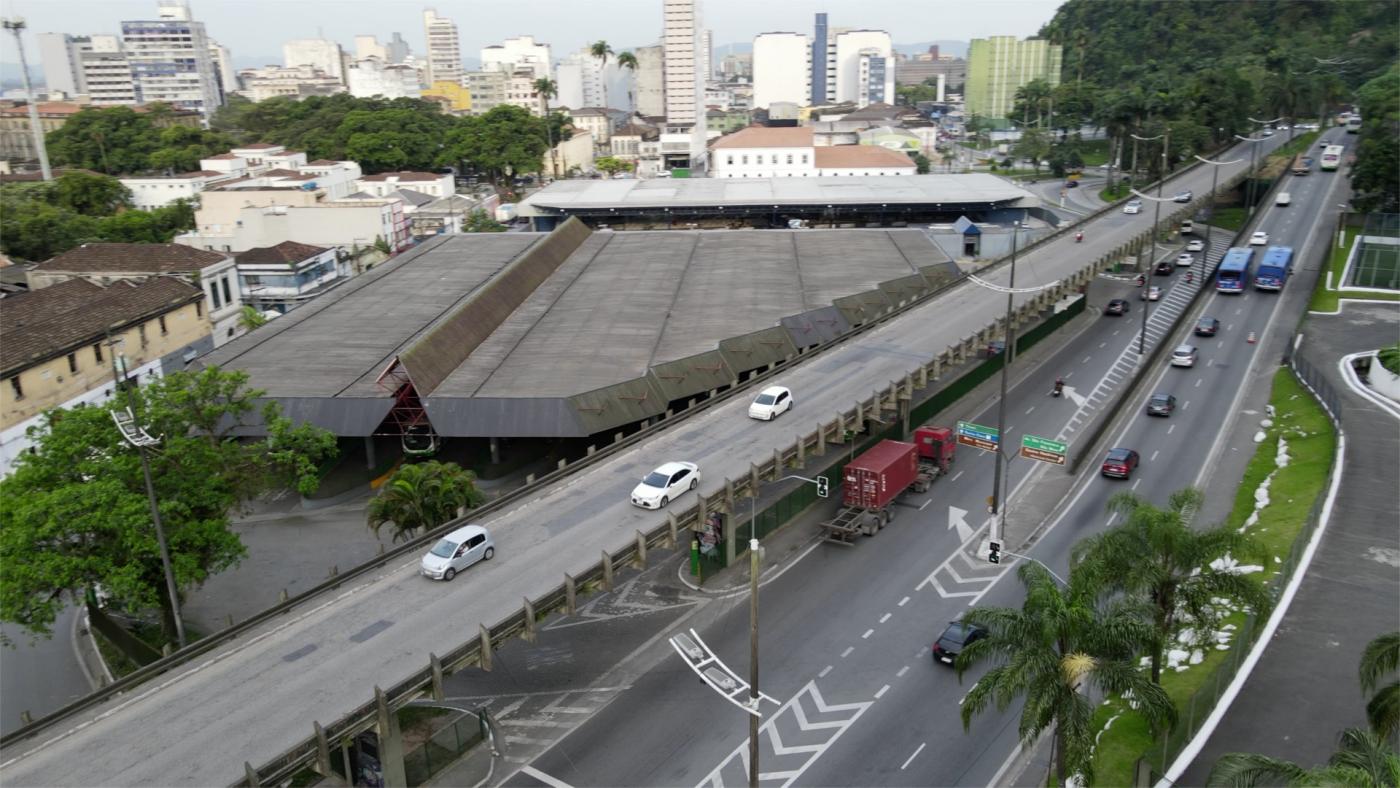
(782, 69)
(107, 78)
(60, 55)
(818, 56)
(707, 56)
(683, 141)
(397, 49)
(518, 54)
(223, 67)
(999, 65)
(371, 76)
(369, 46)
(170, 59)
(651, 81)
(581, 77)
(863, 56)
(318, 53)
(444, 58)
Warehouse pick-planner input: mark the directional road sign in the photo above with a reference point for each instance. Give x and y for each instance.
(977, 436)
(1043, 449)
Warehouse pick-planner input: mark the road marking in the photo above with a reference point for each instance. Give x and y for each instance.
(825, 671)
(1086, 360)
(882, 691)
(847, 652)
(1198, 382)
(956, 476)
(922, 651)
(912, 757)
(1154, 456)
(1186, 404)
(528, 740)
(1136, 482)
(1169, 429)
(1105, 342)
(925, 503)
(544, 778)
(885, 617)
(902, 671)
(1069, 375)
(904, 601)
(1028, 410)
(867, 635)
(537, 724)
(1115, 333)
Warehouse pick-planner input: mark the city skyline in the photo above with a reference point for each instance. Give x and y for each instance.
(565, 26)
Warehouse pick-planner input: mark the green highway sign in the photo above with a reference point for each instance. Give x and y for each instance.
(1034, 447)
(978, 437)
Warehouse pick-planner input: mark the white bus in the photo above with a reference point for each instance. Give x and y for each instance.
(1331, 157)
(1353, 123)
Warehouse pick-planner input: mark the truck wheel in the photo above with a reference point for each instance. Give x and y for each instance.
(885, 517)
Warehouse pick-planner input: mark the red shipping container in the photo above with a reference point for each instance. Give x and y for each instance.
(877, 476)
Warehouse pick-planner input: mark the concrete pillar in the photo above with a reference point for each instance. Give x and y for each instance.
(250, 775)
(390, 743)
(435, 665)
(323, 751)
(728, 492)
(702, 508)
(801, 453)
(923, 376)
(592, 449)
(777, 464)
(641, 560)
(821, 440)
(617, 437)
(485, 658)
(570, 594)
(370, 460)
(529, 610)
(495, 451)
(563, 463)
(672, 531)
(753, 480)
(607, 571)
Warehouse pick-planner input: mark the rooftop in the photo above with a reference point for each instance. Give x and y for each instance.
(403, 176)
(287, 252)
(860, 156)
(766, 137)
(98, 258)
(43, 323)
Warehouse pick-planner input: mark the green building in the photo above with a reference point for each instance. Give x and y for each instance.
(998, 66)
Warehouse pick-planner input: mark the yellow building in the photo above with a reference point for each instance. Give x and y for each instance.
(55, 354)
(459, 99)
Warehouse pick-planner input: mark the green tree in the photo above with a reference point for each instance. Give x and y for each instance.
(113, 140)
(1381, 659)
(94, 195)
(35, 230)
(1034, 145)
(1052, 652)
(478, 221)
(921, 162)
(1373, 176)
(601, 51)
(250, 318)
(1365, 760)
(504, 141)
(422, 496)
(612, 165)
(74, 513)
(546, 89)
(1156, 556)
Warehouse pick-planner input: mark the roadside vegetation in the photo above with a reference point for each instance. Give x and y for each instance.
(1327, 298)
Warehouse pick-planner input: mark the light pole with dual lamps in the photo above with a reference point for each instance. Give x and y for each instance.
(1214, 180)
(1156, 217)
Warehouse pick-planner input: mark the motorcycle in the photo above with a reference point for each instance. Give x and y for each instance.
(1079, 237)
(1059, 387)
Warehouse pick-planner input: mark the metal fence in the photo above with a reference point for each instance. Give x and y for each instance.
(443, 748)
(1194, 711)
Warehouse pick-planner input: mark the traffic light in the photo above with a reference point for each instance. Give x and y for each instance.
(821, 487)
(994, 554)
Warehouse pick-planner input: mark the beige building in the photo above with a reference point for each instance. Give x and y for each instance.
(596, 121)
(574, 155)
(55, 353)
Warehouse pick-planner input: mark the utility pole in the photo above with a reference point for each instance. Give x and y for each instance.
(1156, 217)
(137, 436)
(754, 559)
(1214, 180)
(1008, 355)
(17, 26)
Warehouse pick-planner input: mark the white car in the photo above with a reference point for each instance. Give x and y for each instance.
(1283, 198)
(1133, 206)
(1184, 356)
(1259, 238)
(665, 483)
(770, 403)
(1185, 259)
(1152, 293)
(1196, 246)
(457, 551)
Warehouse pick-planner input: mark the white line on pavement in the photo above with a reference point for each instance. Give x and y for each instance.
(882, 692)
(867, 634)
(544, 778)
(904, 601)
(847, 652)
(1136, 482)
(885, 617)
(825, 671)
(1154, 455)
(912, 757)
(902, 671)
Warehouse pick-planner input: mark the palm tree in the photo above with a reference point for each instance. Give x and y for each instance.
(601, 51)
(1382, 658)
(1364, 759)
(250, 318)
(1156, 556)
(1060, 643)
(628, 61)
(422, 496)
(547, 89)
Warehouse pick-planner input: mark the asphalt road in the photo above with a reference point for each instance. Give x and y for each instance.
(846, 632)
(41, 676)
(200, 723)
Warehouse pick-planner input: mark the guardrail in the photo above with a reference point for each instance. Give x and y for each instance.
(522, 622)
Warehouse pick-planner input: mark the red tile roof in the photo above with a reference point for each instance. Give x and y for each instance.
(45, 323)
(861, 156)
(151, 259)
(766, 137)
(287, 252)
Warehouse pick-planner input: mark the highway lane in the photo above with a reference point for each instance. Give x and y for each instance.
(858, 629)
(324, 659)
(39, 677)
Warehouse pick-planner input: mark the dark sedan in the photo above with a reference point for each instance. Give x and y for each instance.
(954, 639)
(1120, 463)
(1207, 327)
(1164, 268)
(1161, 405)
(1118, 306)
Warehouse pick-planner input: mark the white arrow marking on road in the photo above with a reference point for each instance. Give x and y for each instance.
(1075, 397)
(957, 518)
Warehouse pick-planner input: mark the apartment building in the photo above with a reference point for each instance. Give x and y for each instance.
(444, 59)
(683, 141)
(782, 69)
(298, 82)
(998, 66)
(170, 60)
(316, 53)
(791, 152)
(371, 76)
(521, 53)
(282, 277)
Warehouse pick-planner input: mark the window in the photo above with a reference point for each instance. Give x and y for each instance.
(228, 299)
(789, 158)
(214, 294)
(730, 159)
(804, 158)
(97, 352)
(746, 158)
(73, 363)
(199, 308)
(16, 387)
(163, 329)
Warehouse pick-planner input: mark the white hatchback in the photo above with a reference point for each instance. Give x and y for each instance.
(660, 486)
(1184, 356)
(1185, 259)
(1196, 246)
(1260, 238)
(770, 403)
(457, 551)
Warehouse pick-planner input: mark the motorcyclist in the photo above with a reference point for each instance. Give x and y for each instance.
(1141, 280)
(1059, 386)
(1079, 236)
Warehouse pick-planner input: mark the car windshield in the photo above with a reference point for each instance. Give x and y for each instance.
(1207, 322)
(1118, 455)
(1159, 399)
(444, 548)
(955, 634)
(656, 479)
(765, 399)
(1183, 351)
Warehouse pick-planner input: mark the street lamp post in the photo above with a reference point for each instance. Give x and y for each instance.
(753, 657)
(1214, 180)
(17, 26)
(1008, 355)
(136, 435)
(1156, 217)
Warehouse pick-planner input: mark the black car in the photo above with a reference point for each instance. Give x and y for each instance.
(1164, 268)
(1161, 405)
(954, 639)
(1071, 184)
(1118, 306)
(1207, 327)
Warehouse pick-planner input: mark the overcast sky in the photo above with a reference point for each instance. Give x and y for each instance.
(255, 29)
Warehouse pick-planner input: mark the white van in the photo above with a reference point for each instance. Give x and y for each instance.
(1283, 198)
(1187, 227)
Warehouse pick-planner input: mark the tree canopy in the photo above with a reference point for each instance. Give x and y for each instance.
(121, 141)
(422, 496)
(40, 220)
(74, 514)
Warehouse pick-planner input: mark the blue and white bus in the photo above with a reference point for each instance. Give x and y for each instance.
(1233, 273)
(1274, 268)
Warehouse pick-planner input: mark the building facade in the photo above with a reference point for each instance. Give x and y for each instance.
(782, 69)
(521, 53)
(817, 54)
(444, 58)
(683, 141)
(998, 66)
(298, 82)
(17, 143)
(372, 77)
(60, 55)
(863, 56)
(791, 152)
(170, 60)
(282, 277)
(650, 82)
(486, 88)
(432, 184)
(318, 53)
